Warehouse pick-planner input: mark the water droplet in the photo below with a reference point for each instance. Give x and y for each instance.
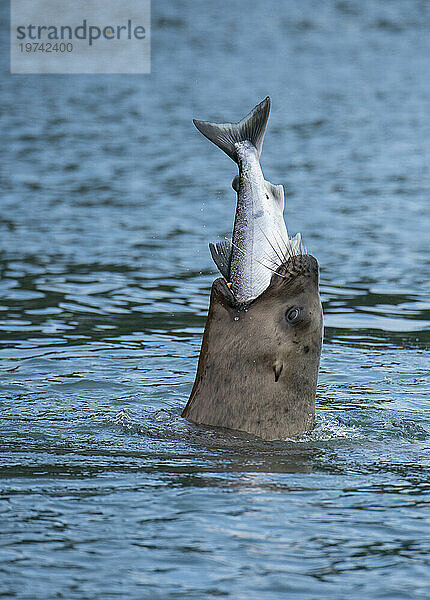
(236, 318)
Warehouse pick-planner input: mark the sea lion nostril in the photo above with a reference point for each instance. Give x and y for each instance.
(277, 368)
(305, 349)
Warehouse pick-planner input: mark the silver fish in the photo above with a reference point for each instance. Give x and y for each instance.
(260, 240)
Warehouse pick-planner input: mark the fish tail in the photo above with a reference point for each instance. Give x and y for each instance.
(251, 128)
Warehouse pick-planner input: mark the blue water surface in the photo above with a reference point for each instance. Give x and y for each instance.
(109, 197)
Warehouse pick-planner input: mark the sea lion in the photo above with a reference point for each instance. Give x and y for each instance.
(260, 354)
(258, 365)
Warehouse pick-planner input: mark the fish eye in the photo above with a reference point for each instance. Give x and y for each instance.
(293, 315)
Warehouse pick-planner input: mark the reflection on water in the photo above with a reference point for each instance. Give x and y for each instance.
(109, 199)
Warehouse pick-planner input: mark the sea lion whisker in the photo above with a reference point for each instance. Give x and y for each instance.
(284, 248)
(272, 261)
(286, 251)
(273, 270)
(270, 243)
(281, 257)
(257, 261)
(270, 268)
(289, 250)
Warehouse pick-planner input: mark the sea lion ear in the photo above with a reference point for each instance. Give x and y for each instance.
(277, 191)
(235, 183)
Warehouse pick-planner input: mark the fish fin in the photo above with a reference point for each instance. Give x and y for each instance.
(251, 128)
(277, 192)
(235, 183)
(221, 253)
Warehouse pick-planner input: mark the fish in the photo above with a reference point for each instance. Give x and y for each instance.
(260, 241)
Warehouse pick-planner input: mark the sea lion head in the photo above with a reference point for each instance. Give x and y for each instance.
(259, 361)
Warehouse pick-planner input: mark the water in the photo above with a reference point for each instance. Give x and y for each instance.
(109, 199)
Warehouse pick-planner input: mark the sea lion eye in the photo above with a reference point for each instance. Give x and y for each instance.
(293, 315)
